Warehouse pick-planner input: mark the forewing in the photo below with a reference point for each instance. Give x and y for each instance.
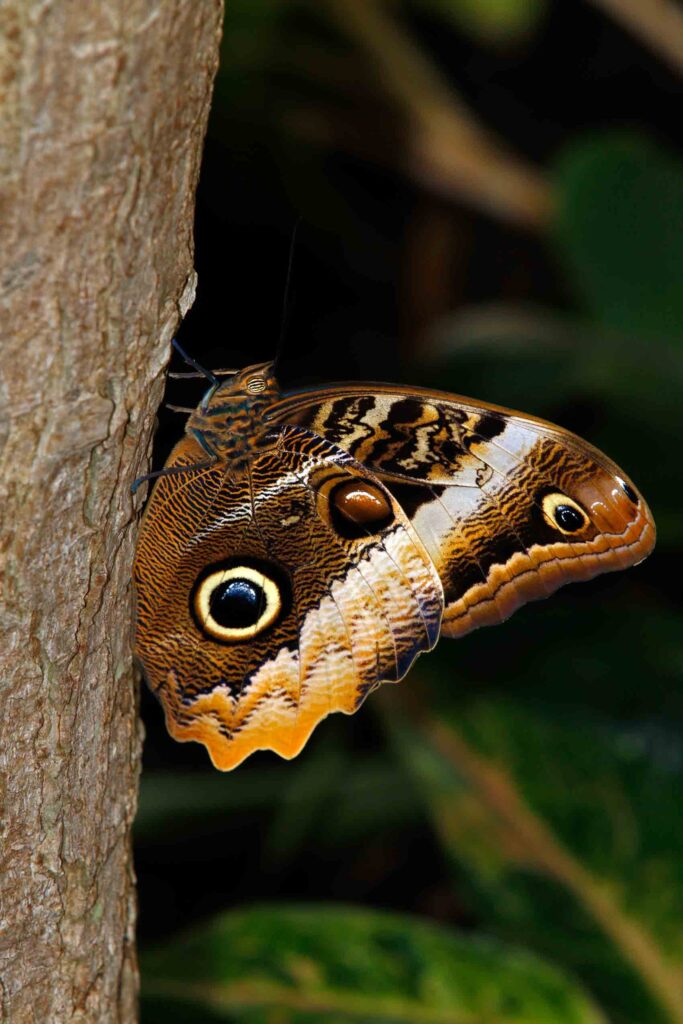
(482, 485)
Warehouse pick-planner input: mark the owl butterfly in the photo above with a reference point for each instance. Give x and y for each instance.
(300, 549)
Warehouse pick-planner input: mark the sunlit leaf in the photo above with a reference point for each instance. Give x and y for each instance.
(333, 964)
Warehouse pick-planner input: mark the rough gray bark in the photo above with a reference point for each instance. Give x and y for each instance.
(104, 107)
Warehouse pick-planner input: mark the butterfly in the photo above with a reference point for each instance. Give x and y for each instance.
(299, 549)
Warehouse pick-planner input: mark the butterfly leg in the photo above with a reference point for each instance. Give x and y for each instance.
(193, 362)
(177, 470)
(202, 372)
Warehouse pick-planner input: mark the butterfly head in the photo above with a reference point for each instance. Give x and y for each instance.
(252, 386)
(229, 420)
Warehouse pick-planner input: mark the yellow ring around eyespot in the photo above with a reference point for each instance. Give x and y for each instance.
(550, 504)
(202, 602)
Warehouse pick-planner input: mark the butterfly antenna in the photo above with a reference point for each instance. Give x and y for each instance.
(180, 408)
(286, 297)
(195, 376)
(193, 362)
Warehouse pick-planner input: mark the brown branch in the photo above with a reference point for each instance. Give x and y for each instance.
(104, 108)
(447, 149)
(658, 24)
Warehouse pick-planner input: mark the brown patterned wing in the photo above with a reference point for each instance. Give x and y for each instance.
(509, 507)
(275, 592)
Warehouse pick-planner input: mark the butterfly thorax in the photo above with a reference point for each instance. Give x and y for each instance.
(229, 421)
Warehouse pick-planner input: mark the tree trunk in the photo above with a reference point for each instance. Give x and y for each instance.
(104, 107)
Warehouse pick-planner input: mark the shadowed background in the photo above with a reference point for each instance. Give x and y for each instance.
(490, 198)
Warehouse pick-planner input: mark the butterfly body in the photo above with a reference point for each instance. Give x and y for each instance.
(306, 547)
(228, 422)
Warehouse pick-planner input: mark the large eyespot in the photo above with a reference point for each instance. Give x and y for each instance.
(628, 490)
(236, 603)
(563, 513)
(358, 508)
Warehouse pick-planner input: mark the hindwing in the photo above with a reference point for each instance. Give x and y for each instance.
(354, 603)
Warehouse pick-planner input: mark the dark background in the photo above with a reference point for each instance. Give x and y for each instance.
(576, 319)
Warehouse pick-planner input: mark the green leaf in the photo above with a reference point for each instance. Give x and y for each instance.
(329, 792)
(491, 21)
(334, 964)
(314, 784)
(568, 837)
(620, 231)
(250, 36)
(170, 801)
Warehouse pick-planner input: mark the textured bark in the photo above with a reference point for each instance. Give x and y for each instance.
(104, 107)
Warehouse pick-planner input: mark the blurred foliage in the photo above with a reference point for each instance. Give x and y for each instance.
(355, 795)
(296, 964)
(620, 231)
(523, 788)
(490, 21)
(580, 857)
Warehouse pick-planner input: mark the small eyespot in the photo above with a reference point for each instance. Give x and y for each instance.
(563, 513)
(236, 603)
(628, 490)
(255, 385)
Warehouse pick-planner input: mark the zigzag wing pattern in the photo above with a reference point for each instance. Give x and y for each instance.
(479, 485)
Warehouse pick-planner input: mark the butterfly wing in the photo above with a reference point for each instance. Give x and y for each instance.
(509, 507)
(262, 607)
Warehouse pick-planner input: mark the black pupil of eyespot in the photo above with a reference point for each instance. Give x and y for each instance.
(237, 604)
(629, 492)
(568, 517)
